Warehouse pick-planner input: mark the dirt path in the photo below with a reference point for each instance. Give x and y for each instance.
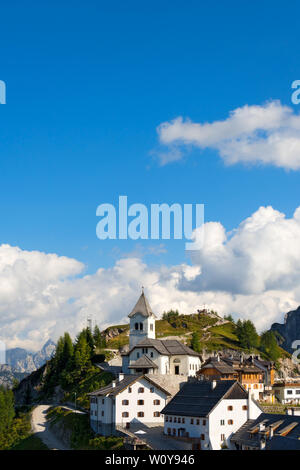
(42, 430)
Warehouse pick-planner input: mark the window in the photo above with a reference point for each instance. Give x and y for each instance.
(125, 402)
(204, 422)
(297, 392)
(102, 401)
(229, 408)
(156, 414)
(167, 418)
(102, 413)
(202, 437)
(169, 431)
(129, 389)
(156, 402)
(245, 407)
(179, 420)
(170, 419)
(136, 326)
(183, 420)
(222, 422)
(192, 421)
(174, 432)
(125, 414)
(289, 392)
(140, 414)
(230, 421)
(151, 354)
(141, 390)
(145, 350)
(151, 326)
(141, 326)
(222, 437)
(175, 419)
(198, 422)
(140, 402)
(152, 390)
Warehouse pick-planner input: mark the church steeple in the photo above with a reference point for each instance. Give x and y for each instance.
(142, 321)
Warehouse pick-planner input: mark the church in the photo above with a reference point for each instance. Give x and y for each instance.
(148, 355)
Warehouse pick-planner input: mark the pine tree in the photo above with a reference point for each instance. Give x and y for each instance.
(195, 343)
(269, 346)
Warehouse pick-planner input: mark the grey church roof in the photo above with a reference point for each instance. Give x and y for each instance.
(143, 362)
(142, 306)
(167, 347)
(198, 398)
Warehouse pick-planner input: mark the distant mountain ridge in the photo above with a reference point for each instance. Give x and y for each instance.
(22, 360)
(289, 330)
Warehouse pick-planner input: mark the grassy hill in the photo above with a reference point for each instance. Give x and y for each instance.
(215, 333)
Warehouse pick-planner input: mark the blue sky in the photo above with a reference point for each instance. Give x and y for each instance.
(89, 84)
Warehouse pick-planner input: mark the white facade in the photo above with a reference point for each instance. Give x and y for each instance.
(175, 365)
(288, 393)
(215, 430)
(141, 401)
(255, 389)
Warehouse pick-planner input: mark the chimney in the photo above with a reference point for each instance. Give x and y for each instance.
(121, 376)
(213, 384)
(262, 443)
(113, 384)
(271, 432)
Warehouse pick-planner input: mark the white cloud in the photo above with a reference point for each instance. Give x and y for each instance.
(252, 272)
(267, 134)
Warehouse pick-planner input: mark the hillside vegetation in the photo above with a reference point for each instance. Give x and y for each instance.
(205, 331)
(77, 426)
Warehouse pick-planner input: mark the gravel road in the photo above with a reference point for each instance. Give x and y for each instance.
(42, 430)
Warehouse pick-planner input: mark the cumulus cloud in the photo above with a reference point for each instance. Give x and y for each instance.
(252, 272)
(267, 134)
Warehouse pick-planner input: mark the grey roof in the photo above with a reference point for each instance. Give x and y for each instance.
(143, 307)
(199, 398)
(283, 443)
(143, 362)
(243, 435)
(167, 347)
(128, 380)
(110, 390)
(105, 366)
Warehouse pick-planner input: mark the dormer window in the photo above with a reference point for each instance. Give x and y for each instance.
(141, 326)
(136, 326)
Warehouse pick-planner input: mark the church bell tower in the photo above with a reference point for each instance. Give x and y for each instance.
(142, 321)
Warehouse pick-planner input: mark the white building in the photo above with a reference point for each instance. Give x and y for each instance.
(209, 412)
(148, 355)
(287, 392)
(132, 399)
